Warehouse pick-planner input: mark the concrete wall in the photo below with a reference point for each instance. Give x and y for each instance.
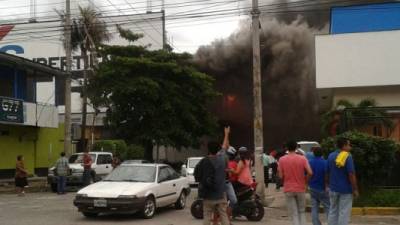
(384, 96)
(173, 155)
(39, 146)
(49, 146)
(18, 141)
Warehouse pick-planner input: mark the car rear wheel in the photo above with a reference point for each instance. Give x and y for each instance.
(181, 202)
(90, 214)
(149, 208)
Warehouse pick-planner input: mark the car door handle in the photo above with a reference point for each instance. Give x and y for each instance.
(107, 167)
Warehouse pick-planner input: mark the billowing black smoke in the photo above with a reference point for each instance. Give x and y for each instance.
(289, 99)
(290, 102)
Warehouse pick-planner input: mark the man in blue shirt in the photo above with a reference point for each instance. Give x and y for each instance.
(318, 188)
(342, 183)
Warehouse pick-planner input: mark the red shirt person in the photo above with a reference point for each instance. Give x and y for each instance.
(87, 169)
(295, 171)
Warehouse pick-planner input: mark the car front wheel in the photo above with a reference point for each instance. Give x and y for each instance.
(149, 208)
(181, 202)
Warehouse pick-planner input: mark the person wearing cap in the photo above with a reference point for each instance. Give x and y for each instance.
(243, 170)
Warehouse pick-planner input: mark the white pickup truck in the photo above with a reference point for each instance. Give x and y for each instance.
(101, 167)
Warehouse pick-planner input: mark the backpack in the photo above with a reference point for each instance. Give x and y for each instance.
(204, 174)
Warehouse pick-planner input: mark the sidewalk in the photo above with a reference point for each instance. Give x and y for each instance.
(36, 184)
(276, 210)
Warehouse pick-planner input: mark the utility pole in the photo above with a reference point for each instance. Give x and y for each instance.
(33, 12)
(68, 54)
(163, 27)
(149, 6)
(257, 98)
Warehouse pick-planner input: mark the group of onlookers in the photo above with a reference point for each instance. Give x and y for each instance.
(331, 182)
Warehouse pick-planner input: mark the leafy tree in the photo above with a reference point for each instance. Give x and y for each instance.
(363, 114)
(153, 97)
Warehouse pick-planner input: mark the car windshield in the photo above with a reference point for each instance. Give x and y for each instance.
(307, 147)
(78, 158)
(134, 173)
(135, 161)
(193, 162)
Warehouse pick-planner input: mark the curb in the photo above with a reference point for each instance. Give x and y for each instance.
(376, 211)
(369, 211)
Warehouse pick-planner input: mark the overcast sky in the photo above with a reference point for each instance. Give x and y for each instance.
(185, 34)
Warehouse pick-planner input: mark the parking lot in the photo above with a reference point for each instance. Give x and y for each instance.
(51, 209)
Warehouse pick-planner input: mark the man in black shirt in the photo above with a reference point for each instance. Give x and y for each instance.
(211, 174)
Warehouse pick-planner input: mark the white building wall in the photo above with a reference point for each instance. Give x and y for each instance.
(358, 59)
(40, 115)
(384, 96)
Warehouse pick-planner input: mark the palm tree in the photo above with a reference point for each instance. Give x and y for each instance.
(88, 32)
(346, 116)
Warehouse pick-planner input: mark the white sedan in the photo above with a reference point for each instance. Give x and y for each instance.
(132, 188)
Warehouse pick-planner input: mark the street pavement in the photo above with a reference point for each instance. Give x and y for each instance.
(52, 209)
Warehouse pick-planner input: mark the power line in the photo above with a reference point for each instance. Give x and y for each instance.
(173, 5)
(151, 37)
(228, 12)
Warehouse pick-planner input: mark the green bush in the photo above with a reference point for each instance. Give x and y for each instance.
(381, 198)
(114, 146)
(120, 147)
(373, 156)
(135, 152)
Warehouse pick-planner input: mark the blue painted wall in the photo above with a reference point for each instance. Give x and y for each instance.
(365, 18)
(19, 81)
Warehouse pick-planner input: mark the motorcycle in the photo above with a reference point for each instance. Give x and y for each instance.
(249, 205)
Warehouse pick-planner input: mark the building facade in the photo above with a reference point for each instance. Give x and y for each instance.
(359, 60)
(27, 127)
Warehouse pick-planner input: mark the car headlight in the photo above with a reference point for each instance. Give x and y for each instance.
(127, 196)
(76, 170)
(81, 195)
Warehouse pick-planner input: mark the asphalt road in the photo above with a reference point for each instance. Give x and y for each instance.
(51, 209)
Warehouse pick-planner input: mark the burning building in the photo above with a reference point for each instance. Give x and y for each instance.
(290, 98)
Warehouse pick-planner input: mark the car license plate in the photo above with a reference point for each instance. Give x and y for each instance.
(100, 203)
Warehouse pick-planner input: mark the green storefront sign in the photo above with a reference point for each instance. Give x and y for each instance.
(11, 110)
